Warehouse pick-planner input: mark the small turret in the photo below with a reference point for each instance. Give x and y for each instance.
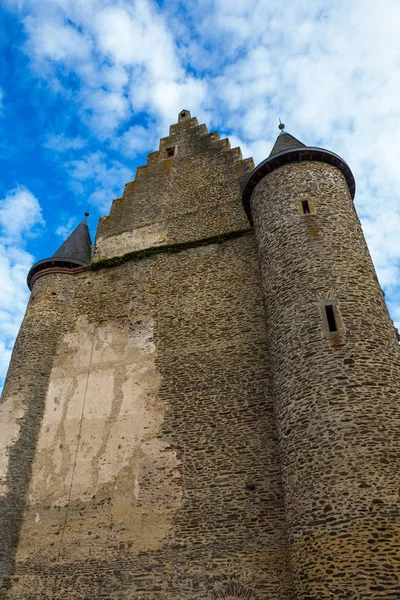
(75, 252)
(286, 150)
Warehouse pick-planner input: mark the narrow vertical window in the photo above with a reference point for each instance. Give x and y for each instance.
(332, 321)
(305, 207)
(330, 317)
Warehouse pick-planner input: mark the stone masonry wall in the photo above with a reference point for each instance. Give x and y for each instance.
(156, 473)
(22, 407)
(192, 195)
(152, 469)
(337, 395)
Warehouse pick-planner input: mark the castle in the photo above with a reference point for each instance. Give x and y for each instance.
(208, 405)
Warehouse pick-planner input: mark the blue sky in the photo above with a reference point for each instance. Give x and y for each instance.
(87, 87)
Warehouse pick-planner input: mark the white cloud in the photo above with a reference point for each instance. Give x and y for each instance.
(99, 179)
(20, 217)
(20, 214)
(136, 34)
(61, 143)
(257, 149)
(135, 140)
(53, 39)
(124, 55)
(67, 227)
(166, 98)
(382, 234)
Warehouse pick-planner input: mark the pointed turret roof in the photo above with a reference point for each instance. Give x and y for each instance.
(75, 252)
(285, 141)
(286, 150)
(77, 247)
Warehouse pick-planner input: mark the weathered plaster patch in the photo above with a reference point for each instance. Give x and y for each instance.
(129, 241)
(98, 451)
(11, 412)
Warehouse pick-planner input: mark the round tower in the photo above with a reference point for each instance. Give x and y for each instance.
(336, 372)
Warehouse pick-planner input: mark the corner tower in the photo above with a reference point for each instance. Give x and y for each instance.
(336, 375)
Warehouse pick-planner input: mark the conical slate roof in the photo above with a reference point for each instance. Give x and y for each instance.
(74, 252)
(77, 247)
(285, 141)
(287, 150)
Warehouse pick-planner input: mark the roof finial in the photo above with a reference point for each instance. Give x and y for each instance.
(281, 125)
(87, 213)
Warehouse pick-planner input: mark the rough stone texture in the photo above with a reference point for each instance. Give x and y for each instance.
(337, 396)
(22, 406)
(171, 514)
(151, 467)
(193, 195)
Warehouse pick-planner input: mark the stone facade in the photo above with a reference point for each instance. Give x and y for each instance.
(180, 423)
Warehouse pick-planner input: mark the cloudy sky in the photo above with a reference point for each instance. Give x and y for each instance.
(87, 87)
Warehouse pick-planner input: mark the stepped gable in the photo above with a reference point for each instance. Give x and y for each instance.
(189, 189)
(74, 253)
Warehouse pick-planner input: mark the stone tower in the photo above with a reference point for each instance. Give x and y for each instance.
(208, 406)
(335, 364)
